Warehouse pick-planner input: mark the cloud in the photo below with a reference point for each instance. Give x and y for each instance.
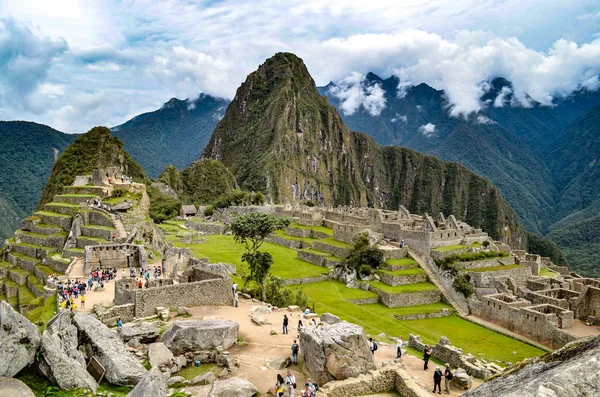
(354, 92)
(481, 119)
(428, 130)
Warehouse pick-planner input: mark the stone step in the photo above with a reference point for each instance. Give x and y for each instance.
(24, 261)
(402, 277)
(54, 218)
(53, 240)
(83, 241)
(59, 263)
(19, 275)
(4, 266)
(33, 250)
(103, 232)
(91, 190)
(11, 289)
(62, 208)
(73, 253)
(42, 228)
(30, 222)
(34, 284)
(335, 248)
(74, 198)
(406, 295)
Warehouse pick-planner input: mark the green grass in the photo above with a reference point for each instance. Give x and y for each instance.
(54, 214)
(31, 234)
(99, 227)
(335, 243)
(97, 239)
(451, 248)
(46, 270)
(406, 261)
(5, 264)
(190, 372)
(25, 295)
(57, 204)
(41, 315)
(33, 218)
(316, 252)
(321, 229)
(75, 249)
(403, 289)
(20, 271)
(404, 272)
(78, 195)
(494, 268)
(222, 248)
(8, 282)
(282, 234)
(476, 244)
(548, 273)
(26, 257)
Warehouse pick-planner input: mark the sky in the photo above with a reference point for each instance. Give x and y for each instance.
(76, 64)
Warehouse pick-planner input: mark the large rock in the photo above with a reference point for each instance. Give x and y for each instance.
(14, 388)
(233, 387)
(335, 352)
(62, 326)
(260, 310)
(19, 341)
(572, 371)
(159, 356)
(145, 331)
(329, 318)
(154, 384)
(122, 368)
(281, 363)
(195, 335)
(461, 380)
(204, 379)
(65, 371)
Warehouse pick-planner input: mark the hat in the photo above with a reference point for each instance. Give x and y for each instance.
(437, 367)
(447, 365)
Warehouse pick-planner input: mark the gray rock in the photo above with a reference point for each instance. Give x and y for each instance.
(204, 379)
(568, 372)
(66, 371)
(145, 331)
(59, 322)
(14, 387)
(154, 384)
(258, 319)
(175, 379)
(281, 363)
(122, 368)
(19, 341)
(461, 380)
(183, 311)
(336, 352)
(259, 310)
(159, 356)
(194, 335)
(233, 387)
(329, 318)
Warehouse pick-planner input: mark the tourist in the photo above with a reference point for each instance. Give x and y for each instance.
(306, 311)
(402, 244)
(73, 307)
(120, 323)
(140, 284)
(300, 326)
(313, 322)
(313, 388)
(123, 274)
(373, 345)
(295, 349)
(306, 392)
(437, 380)
(236, 299)
(399, 347)
(83, 301)
(234, 288)
(290, 381)
(447, 377)
(279, 386)
(285, 324)
(426, 356)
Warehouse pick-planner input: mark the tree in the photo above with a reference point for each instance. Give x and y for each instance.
(251, 229)
(362, 258)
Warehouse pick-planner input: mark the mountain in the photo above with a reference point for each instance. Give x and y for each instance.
(27, 154)
(281, 137)
(95, 149)
(174, 134)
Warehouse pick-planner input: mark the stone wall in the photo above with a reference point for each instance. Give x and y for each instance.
(294, 244)
(478, 264)
(348, 232)
(394, 281)
(340, 252)
(485, 279)
(108, 256)
(304, 280)
(588, 304)
(97, 217)
(408, 299)
(311, 257)
(206, 228)
(112, 315)
(394, 253)
(176, 259)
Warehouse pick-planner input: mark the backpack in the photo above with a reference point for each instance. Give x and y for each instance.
(375, 346)
(450, 376)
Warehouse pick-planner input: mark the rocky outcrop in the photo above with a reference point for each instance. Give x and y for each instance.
(461, 379)
(145, 331)
(336, 352)
(154, 384)
(19, 341)
(233, 387)
(65, 371)
(329, 318)
(159, 356)
(14, 387)
(195, 335)
(569, 372)
(122, 368)
(281, 363)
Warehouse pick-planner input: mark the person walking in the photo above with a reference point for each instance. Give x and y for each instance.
(373, 345)
(83, 301)
(437, 380)
(426, 356)
(234, 287)
(295, 349)
(447, 377)
(285, 324)
(399, 344)
(120, 323)
(279, 386)
(290, 382)
(300, 326)
(236, 299)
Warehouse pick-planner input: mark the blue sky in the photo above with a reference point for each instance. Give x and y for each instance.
(76, 64)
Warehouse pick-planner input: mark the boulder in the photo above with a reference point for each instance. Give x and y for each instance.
(336, 352)
(260, 310)
(122, 368)
(175, 379)
(154, 384)
(329, 318)
(144, 332)
(281, 363)
(183, 311)
(66, 372)
(59, 322)
(194, 335)
(159, 356)
(204, 379)
(293, 308)
(233, 387)
(461, 380)
(14, 387)
(258, 320)
(374, 237)
(19, 341)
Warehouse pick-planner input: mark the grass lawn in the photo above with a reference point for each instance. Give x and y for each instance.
(548, 273)
(335, 243)
(100, 227)
(59, 204)
(403, 289)
(222, 248)
(321, 229)
(316, 252)
(406, 261)
(494, 268)
(54, 214)
(404, 272)
(282, 234)
(451, 248)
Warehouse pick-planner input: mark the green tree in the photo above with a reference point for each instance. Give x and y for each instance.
(251, 229)
(362, 258)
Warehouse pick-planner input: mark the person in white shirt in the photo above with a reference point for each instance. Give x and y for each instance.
(290, 381)
(399, 347)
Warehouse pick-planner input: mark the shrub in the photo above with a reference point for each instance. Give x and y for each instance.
(310, 203)
(277, 294)
(447, 262)
(486, 243)
(463, 285)
(362, 258)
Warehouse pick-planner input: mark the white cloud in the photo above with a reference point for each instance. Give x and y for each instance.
(353, 92)
(428, 130)
(481, 119)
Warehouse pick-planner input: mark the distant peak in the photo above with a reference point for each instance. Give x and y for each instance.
(372, 77)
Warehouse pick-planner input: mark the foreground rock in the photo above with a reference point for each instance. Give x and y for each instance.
(154, 384)
(144, 332)
(14, 388)
(329, 318)
(572, 371)
(195, 335)
(335, 352)
(65, 371)
(159, 356)
(461, 380)
(19, 341)
(233, 387)
(122, 368)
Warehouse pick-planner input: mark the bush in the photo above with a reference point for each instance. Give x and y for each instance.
(463, 285)
(277, 294)
(310, 203)
(119, 192)
(162, 207)
(447, 262)
(364, 259)
(486, 243)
